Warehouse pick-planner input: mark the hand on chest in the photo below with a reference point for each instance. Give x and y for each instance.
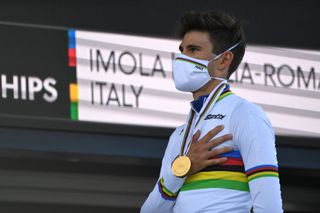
(212, 119)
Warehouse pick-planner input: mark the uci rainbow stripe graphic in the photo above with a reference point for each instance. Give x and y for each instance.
(229, 175)
(166, 193)
(262, 171)
(73, 87)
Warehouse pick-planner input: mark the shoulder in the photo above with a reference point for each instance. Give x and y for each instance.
(174, 143)
(244, 107)
(175, 135)
(178, 131)
(245, 113)
(248, 122)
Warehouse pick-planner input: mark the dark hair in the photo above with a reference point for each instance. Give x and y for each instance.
(224, 30)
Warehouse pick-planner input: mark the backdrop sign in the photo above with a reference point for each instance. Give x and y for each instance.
(34, 72)
(128, 80)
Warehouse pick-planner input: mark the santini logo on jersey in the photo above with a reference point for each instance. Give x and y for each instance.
(218, 116)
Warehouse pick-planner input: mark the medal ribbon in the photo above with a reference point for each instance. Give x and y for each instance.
(211, 102)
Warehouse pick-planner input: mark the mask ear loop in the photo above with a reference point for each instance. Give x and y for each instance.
(231, 48)
(219, 55)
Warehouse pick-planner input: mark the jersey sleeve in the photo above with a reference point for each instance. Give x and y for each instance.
(254, 136)
(163, 196)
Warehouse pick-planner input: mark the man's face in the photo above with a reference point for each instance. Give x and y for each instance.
(197, 44)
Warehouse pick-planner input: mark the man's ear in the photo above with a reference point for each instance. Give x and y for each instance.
(224, 61)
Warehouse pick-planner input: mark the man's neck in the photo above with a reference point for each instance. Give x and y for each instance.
(206, 89)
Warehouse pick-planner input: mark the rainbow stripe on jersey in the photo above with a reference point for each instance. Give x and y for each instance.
(262, 171)
(166, 193)
(229, 175)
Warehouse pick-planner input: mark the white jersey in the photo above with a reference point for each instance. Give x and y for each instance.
(248, 179)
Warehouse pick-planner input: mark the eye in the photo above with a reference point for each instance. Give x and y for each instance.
(193, 49)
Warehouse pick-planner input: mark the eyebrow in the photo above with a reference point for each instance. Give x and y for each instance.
(189, 46)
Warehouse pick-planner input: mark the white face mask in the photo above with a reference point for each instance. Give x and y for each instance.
(190, 74)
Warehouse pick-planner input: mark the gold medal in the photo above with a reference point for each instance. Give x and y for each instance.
(181, 166)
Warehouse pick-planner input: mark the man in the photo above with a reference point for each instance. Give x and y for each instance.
(204, 169)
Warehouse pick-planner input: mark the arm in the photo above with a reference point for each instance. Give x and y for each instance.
(254, 136)
(162, 198)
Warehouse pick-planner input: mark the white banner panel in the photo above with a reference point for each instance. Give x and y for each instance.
(127, 79)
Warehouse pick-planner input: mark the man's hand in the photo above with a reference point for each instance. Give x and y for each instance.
(200, 152)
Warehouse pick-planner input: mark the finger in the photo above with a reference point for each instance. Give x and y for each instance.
(215, 152)
(211, 134)
(217, 141)
(196, 136)
(215, 161)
